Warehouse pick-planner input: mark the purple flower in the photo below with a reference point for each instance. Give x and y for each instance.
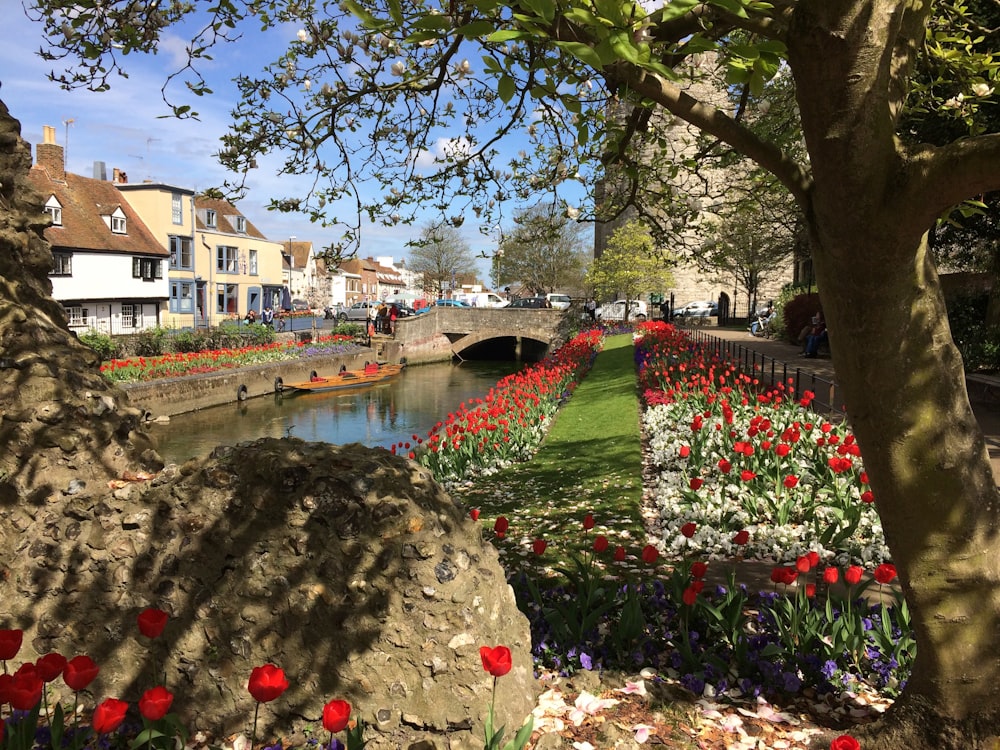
(586, 662)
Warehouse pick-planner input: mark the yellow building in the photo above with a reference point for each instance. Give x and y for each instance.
(221, 266)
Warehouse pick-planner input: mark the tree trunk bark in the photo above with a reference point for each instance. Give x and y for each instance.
(61, 422)
(902, 375)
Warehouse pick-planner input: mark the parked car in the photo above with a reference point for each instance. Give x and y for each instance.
(530, 302)
(484, 299)
(616, 310)
(559, 301)
(300, 305)
(359, 311)
(700, 309)
(450, 303)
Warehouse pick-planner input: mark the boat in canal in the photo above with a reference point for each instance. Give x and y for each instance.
(371, 374)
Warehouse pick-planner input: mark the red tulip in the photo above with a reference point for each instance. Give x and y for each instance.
(831, 576)
(790, 481)
(152, 621)
(6, 683)
(696, 483)
(50, 666)
(155, 703)
(588, 522)
(26, 689)
(336, 714)
(267, 682)
(810, 590)
(619, 554)
(10, 643)
(600, 543)
(80, 671)
(474, 514)
(501, 525)
(685, 451)
(698, 569)
(867, 496)
(746, 475)
(496, 660)
(845, 742)
(852, 576)
(109, 715)
(885, 573)
(802, 564)
(649, 554)
(538, 546)
(689, 596)
(688, 529)
(742, 537)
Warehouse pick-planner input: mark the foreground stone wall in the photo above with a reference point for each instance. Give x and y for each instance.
(346, 566)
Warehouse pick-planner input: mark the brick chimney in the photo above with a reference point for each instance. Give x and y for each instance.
(50, 155)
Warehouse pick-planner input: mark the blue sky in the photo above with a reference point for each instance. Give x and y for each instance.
(126, 128)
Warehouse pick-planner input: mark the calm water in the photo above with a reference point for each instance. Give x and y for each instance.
(381, 415)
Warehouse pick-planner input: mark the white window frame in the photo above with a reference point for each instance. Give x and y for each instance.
(54, 209)
(62, 264)
(211, 220)
(227, 259)
(240, 224)
(254, 264)
(118, 225)
(77, 315)
(176, 208)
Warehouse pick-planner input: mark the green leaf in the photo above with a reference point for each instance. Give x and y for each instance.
(582, 52)
(476, 28)
(396, 12)
(544, 9)
(506, 88)
(433, 21)
(624, 47)
(506, 35)
(362, 13)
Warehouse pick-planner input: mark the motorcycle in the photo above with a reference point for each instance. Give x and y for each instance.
(761, 327)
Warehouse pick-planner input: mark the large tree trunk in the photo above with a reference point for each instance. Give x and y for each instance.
(60, 420)
(902, 375)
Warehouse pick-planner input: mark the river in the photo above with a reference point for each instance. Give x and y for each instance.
(380, 415)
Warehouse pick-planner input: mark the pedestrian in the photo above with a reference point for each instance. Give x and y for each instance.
(817, 336)
(267, 317)
(251, 317)
(592, 309)
(393, 317)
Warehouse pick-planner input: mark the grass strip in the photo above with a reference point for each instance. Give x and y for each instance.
(589, 462)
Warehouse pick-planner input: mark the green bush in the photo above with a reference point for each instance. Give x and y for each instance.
(977, 342)
(151, 342)
(188, 341)
(797, 314)
(101, 343)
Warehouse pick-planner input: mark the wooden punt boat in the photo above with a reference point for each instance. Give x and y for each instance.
(371, 374)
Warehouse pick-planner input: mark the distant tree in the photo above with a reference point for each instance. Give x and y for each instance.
(443, 257)
(544, 251)
(628, 266)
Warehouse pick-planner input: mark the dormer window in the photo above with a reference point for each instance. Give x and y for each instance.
(54, 210)
(210, 220)
(118, 224)
(240, 223)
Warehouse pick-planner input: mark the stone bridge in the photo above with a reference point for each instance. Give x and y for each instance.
(444, 333)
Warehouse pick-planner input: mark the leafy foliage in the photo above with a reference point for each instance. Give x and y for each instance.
(542, 252)
(628, 267)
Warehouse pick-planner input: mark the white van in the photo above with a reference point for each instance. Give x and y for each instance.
(483, 299)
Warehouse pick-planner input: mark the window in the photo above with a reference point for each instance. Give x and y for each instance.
(181, 252)
(227, 298)
(77, 316)
(240, 223)
(54, 210)
(118, 224)
(210, 219)
(62, 264)
(181, 296)
(131, 315)
(147, 269)
(176, 209)
(253, 262)
(227, 259)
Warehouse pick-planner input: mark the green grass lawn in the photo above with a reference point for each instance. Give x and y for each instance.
(589, 462)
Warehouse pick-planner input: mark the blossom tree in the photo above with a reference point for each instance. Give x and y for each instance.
(367, 89)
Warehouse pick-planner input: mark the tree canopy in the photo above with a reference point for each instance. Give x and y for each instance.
(544, 251)
(629, 266)
(443, 257)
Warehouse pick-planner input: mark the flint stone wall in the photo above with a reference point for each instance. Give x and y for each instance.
(346, 566)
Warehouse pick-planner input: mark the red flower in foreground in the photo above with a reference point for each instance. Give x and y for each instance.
(742, 537)
(50, 666)
(152, 621)
(885, 573)
(852, 576)
(336, 714)
(688, 529)
(690, 596)
(26, 690)
(600, 543)
(696, 483)
(474, 514)
(619, 554)
(155, 703)
(698, 569)
(80, 671)
(267, 682)
(588, 522)
(539, 545)
(10, 643)
(830, 576)
(845, 742)
(501, 525)
(109, 715)
(802, 564)
(496, 660)
(649, 554)
(790, 481)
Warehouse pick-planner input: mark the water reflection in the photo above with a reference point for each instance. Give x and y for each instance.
(379, 415)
